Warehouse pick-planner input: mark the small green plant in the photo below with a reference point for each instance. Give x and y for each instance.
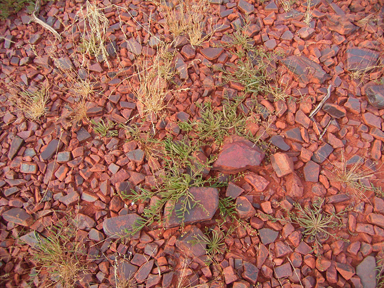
(104, 128)
(308, 15)
(214, 239)
(59, 254)
(316, 222)
(227, 208)
(380, 270)
(9, 7)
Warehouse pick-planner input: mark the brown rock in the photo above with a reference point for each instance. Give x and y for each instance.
(258, 183)
(267, 235)
(340, 25)
(282, 164)
(345, 270)
(18, 216)
(294, 186)
(144, 271)
(229, 275)
(134, 47)
(28, 168)
(311, 172)
(372, 120)
(212, 53)
(359, 59)
(233, 190)
(126, 270)
(17, 142)
(366, 270)
(284, 270)
(251, 272)
(334, 110)
(207, 202)
(322, 153)
(376, 219)
(245, 7)
(244, 208)
(375, 95)
(238, 156)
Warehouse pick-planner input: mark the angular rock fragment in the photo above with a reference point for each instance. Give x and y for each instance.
(305, 70)
(244, 208)
(186, 242)
(294, 186)
(267, 235)
(116, 227)
(375, 95)
(334, 110)
(360, 59)
(17, 142)
(258, 182)
(367, 272)
(282, 164)
(204, 206)
(238, 156)
(322, 153)
(340, 25)
(51, 149)
(18, 216)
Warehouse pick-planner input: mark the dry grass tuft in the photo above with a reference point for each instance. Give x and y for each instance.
(191, 18)
(93, 25)
(59, 255)
(32, 102)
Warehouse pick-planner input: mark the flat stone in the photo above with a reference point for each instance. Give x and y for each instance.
(83, 135)
(305, 70)
(188, 52)
(279, 142)
(17, 142)
(334, 110)
(134, 47)
(338, 198)
(302, 119)
(322, 153)
(372, 120)
(366, 270)
(311, 172)
(245, 7)
(251, 272)
(233, 190)
(31, 239)
(359, 59)
(229, 275)
(237, 157)
(294, 134)
(207, 199)
(284, 270)
(377, 133)
(70, 198)
(258, 183)
(126, 270)
(345, 270)
(182, 68)
(340, 24)
(244, 208)
(63, 157)
(282, 164)
(319, 190)
(118, 226)
(144, 271)
(18, 216)
(375, 95)
(287, 35)
(64, 63)
(295, 188)
(189, 244)
(270, 44)
(376, 219)
(95, 68)
(306, 32)
(267, 235)
(84, 222)
(28, 168)
(136, 155)
(211, 53)
(51, 149)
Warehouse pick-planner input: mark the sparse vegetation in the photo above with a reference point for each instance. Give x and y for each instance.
(104, 128)
(214, 239)
(308, 14)
(59, 255)
(380, 270)
(8, 7)
(32, 101)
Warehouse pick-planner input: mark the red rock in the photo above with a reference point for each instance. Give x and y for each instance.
(258, 183)
(244, 208)
(322, 153)
(281, 249)
(233, 190)
(305, 70)
(116, 227)
(302, 119)
(334, 110)
(294, 186)
(376, 219)
(378, 205)
(262, 254)
(229, 275)
(322, 264)
(375, 95)
(208, 202)
(17, 142)
(282, 164)
(153, 280)
(345, 270)
(134, 47)
(340, 25)
(366, 270)
(18, 216)
(311, 172)
(372, 120)
(284, 270)
(212, 53)
(144, 271)
(238, 156)
(126, 270)
(188, 242)
(359, 59)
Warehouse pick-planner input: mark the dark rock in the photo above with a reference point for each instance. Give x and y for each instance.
(279, 142)
(334, 110)
(366, 270)
(359, 59)
(134, 47)
(211, 53)
(306, 70)
(144, 271)
(116, 227)
(126, 270)
(267, 235)
(311, 171)
(233, 190)
(345, 270)
(244, 208)
(294, 134)
(83, 135)
(340, 25)
(322, 153)
(250, 273)
(17, 142)
(136, 155)
(375, 95)
(284, 270)
(207, 202)
(51, 149)
(245, 7)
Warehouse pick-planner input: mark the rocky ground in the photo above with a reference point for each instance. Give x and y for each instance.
(247, 155)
